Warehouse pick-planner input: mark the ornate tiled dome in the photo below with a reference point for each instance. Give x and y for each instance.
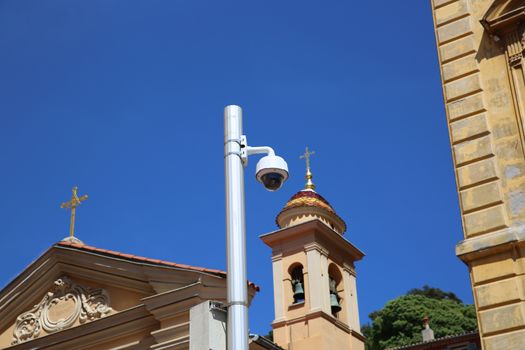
(307, 205)
(308, 198)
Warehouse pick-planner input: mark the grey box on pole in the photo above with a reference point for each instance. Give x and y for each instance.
(208, 326)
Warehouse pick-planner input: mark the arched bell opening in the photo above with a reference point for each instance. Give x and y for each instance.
(334, 283)
(297, 279)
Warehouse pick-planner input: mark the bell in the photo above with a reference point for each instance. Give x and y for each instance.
(298, 292)
(334, 303)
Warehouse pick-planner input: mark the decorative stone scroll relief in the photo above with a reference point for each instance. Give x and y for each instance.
(60, 308)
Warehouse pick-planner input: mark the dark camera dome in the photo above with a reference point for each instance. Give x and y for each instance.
(272, 181)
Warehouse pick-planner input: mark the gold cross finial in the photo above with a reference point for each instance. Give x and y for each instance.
(309, 184)
(73, 204)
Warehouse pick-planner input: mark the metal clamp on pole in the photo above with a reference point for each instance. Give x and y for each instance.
(237, 303)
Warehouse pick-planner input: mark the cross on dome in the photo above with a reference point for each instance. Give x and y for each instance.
(307, 205)
(306, 155)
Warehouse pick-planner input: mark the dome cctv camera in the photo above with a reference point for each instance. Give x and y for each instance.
(272, 172)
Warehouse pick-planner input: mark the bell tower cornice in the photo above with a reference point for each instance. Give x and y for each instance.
(314, 235)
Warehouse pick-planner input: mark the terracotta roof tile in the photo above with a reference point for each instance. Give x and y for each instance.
(148, 260)
(446, 340)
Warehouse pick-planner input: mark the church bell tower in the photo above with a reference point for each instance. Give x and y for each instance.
(314, 277)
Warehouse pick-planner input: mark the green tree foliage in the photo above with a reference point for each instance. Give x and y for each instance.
(401, 320)
(434, 293)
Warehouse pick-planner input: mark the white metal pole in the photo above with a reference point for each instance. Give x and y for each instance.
(237, 286)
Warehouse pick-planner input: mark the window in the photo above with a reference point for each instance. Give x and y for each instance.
(334, 280)
(296, 274)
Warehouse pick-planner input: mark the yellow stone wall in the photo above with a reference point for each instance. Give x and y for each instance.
(483, 84)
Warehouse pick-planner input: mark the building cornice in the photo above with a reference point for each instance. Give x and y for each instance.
(502, 17)
(311, 231)
(476, 247)
(314, 315)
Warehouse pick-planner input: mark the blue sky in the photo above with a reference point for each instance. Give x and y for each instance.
(125, 100)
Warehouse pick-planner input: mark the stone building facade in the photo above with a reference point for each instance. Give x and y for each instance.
(480, 45)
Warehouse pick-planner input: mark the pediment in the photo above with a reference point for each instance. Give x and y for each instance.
(66, 304)
(504, 15)
(64, 289)
(72, 286)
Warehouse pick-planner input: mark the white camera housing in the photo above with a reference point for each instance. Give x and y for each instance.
(272, 172)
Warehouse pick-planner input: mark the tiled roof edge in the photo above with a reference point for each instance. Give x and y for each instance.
(142, 259)
(447, 337)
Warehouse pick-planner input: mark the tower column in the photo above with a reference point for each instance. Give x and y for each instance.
(325, 283)
(278, 287)
(317, 278)
(350, 294)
